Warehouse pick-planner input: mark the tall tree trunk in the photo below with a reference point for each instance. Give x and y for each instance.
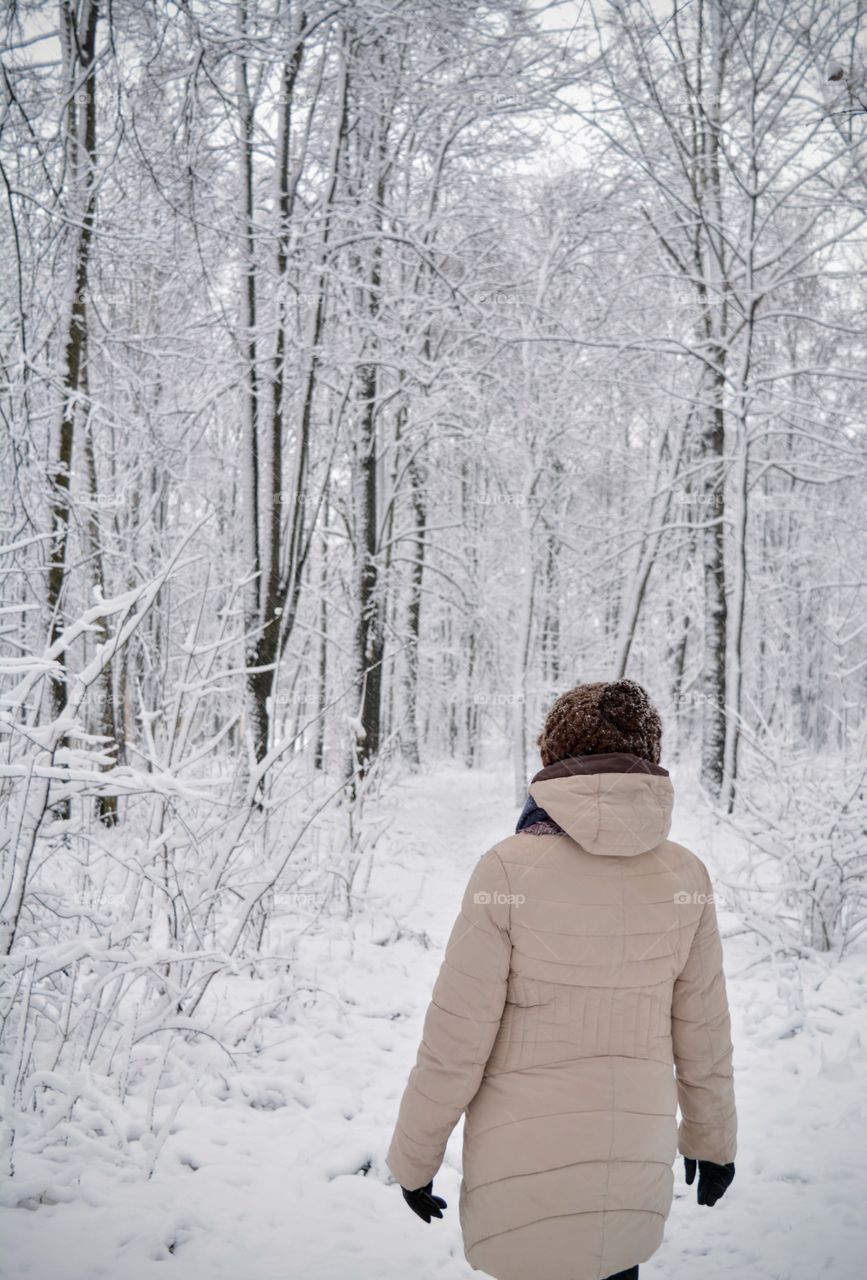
(741, 524)
(413, 621)
(106, 805)
(713, 438)
(271, 506)
(370, 630)
(322, 672)
(472, 711)
(521, 658)
(78, 38)
(649, 547)
(369, 637)
(299, 537)
(258, 682)
(713, 684)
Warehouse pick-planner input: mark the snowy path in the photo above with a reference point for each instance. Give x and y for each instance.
(259, 1179)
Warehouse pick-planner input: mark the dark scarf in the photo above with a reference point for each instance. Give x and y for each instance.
(531, 814)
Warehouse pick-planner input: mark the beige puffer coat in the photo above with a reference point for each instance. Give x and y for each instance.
(581, 998)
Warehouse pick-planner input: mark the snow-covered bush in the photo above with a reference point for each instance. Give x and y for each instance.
(122, 940)
(803, 821)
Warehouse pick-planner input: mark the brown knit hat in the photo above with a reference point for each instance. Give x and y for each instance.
(594, 718)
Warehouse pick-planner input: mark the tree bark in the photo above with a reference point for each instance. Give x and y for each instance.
(79, 47)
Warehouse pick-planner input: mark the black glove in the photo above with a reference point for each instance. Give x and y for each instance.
(713, 1179)
(424, 1202)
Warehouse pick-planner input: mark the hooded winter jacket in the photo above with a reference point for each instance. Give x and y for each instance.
(580, 1000)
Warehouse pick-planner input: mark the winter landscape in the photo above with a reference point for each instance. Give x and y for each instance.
(374, 371)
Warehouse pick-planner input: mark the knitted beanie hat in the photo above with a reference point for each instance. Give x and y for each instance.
(594, 718)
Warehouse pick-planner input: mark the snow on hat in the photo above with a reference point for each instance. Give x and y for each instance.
(594, 718)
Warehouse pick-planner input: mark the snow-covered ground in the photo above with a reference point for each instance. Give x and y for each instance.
(275, 1168)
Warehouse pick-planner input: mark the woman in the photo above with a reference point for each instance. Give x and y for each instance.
(581, 999)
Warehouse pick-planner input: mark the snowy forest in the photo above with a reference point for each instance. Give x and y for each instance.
(373, 371)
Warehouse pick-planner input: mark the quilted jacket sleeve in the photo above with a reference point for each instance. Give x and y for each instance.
(701, 1037)
(460, 1026)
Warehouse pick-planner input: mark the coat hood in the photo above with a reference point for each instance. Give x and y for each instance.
(615, 804)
